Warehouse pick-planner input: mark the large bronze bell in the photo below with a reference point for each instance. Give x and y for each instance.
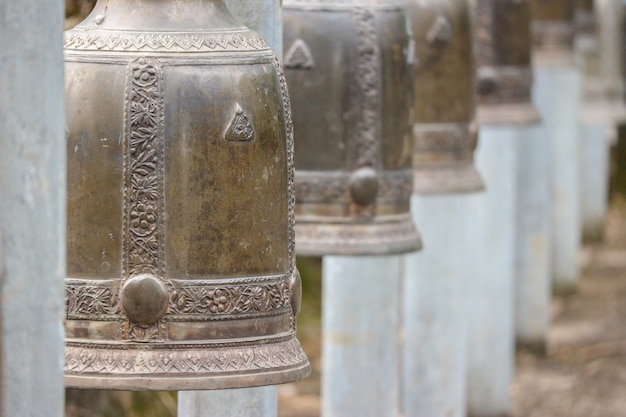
(346, 63)
(553, 30)
(444, 131)
(503, 60)
(180, 246)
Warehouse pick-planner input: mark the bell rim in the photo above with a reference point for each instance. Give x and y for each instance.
(522, 114)
(366, 238)
(297, 367)
(447, 180)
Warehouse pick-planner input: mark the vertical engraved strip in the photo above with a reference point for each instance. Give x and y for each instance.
(291, 187)
(143, 169)
(484, 31)
(367, 90)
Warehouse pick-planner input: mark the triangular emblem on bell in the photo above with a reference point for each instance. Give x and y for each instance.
(298, 56)
(351, 117)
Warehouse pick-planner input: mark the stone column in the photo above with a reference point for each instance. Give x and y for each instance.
(435, 281)
(505, 113)
(558, 99)
(598, 48)
(32, 208)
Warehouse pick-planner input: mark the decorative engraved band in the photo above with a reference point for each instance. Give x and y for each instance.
(448, 139)
(552, 35)
(443, 159)
(189, 366)
(379, 237)
(334, 186)
(242, 40)
(192, 300)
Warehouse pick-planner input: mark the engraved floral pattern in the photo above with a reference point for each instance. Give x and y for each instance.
(192, 300)
(89, 300)
(144, 114)
(231, 300)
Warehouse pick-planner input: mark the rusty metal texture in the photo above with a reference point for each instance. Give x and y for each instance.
(503, 60)
(347, 65)
(553, 30)
(444, 131)
(181, 255)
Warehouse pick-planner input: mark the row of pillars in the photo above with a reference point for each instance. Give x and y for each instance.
(483, 280)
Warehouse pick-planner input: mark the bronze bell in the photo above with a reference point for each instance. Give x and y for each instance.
(347, 65)
(503, 60)
(181, 257)
(444, 132)
(553, 30)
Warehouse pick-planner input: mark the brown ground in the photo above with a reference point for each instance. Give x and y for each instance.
(583, 373)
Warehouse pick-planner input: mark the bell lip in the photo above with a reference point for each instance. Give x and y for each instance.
(553, 57)
(366, 238)
(191, 380)
(447, 180)
(188, 383)
(522, 114)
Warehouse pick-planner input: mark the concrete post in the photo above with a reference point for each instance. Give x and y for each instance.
(360, 319)
(490, 295)
(263, 16)
(244, 402)
(558, 98)
(602, 107)
(435, 305)
(435, 281)
(32, 208)
(533, 288)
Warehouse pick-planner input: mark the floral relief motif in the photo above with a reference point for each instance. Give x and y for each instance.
(192, 300)
(144, 146)
(231, 300)
(89, 300)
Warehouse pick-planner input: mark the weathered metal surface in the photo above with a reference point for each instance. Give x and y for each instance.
(347, 66)
(553, 30)
(503, 60)
(181, 256)
(444, 131)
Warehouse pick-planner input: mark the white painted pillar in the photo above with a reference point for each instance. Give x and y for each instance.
(594, 179)
(491, 275)
(435, 302)
(32, 208)
(243, 402)
(265, 17)
(602, 108)
(360, 320)
(557, 94)
(533, 285)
